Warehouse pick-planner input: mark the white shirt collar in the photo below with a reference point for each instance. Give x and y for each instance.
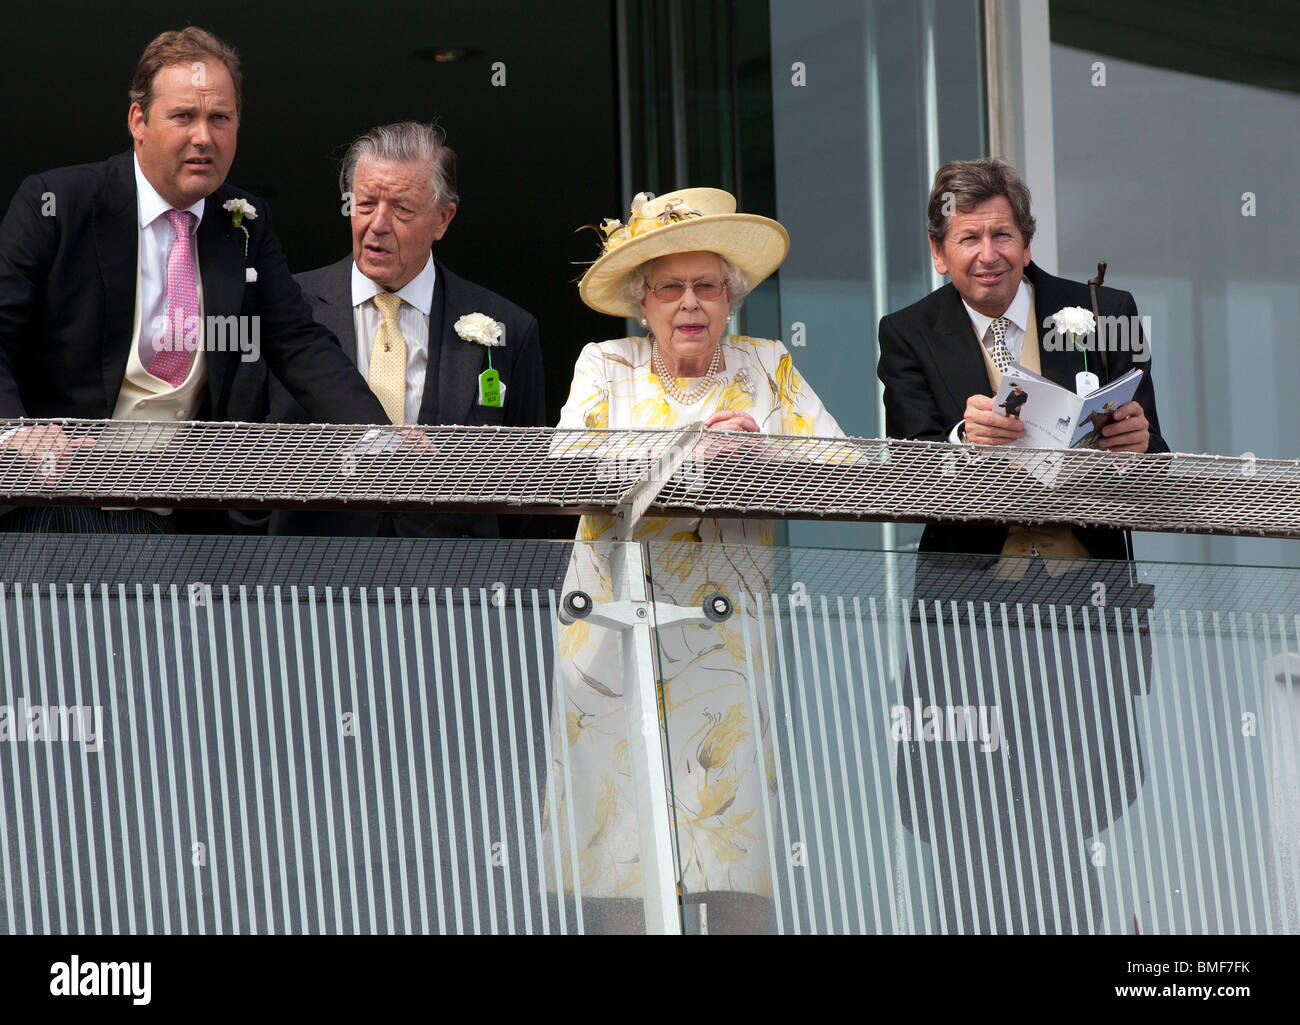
(150, 206)
(417, 292)
(1017, 312)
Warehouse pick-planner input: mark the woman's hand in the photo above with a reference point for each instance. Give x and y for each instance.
(731, 420)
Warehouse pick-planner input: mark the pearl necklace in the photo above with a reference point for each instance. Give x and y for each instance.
(669, 383)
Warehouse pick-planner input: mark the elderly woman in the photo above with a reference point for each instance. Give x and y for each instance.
(682, 265)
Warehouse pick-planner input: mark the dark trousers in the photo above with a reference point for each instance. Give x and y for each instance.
(1010, 821)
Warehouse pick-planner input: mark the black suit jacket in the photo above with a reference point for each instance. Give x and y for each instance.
(450, 393)
(930, 363)
(67, 304)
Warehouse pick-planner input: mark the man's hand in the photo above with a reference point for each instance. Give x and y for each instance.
(985, 427)
(47, 448)
(1131, 431)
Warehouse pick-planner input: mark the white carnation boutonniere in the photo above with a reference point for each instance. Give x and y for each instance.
(481, 329)
(1077, 322)
(239, 209)
(1074, 321)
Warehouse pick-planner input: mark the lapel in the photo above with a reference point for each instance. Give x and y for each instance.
(451, 398)
(332, 305)
(117, 243)
(1050, 297)
(221, 267)
(957, 350)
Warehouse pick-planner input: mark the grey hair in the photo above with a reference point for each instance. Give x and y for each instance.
(406, 142)
(637, 281)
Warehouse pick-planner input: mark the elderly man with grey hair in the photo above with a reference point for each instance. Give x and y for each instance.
(435, 348)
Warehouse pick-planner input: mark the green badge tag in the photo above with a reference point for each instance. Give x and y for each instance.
(489, 388)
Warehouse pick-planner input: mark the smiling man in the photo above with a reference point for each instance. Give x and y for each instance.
(112, 276)
(1065, 687)
(401, 317)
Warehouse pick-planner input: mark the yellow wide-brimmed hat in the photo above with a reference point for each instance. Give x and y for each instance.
(685, 221)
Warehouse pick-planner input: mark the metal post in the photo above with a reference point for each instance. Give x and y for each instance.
(645, 743)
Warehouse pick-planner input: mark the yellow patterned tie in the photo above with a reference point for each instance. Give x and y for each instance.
(1000, 354)
(388, 360)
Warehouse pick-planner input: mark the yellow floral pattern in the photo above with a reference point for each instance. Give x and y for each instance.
(721, 759)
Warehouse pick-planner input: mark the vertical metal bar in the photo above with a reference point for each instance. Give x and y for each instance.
(145, 874)
(926, 672)
(430, 788)
(5, 866)
(568, 779)
(557, 716)
(1214, 871)
(885, 745)
(959, 784)
(38, 625)
(855, 874)
(1014, 691)
(1113, 814)
(308, 766)
(1071, 773)
(480, 741)
(850, 681)
(793, 748)
(237, 735)
(1052, 762)
(344, 776)
(645, 745)
(625, 119)
(897, 639)
(828, 778)
(1180, 734)
(92, 847)
(291, 760)
(759, 671)
(380, 808)
(930, 91)
(498, 774)
(18, 797)
(219, 734)
(1288, 735)
(464, 771)
(328, 729)
(677, 90)
(1135, 749)
(76, 837)
(399, 614)
(170, 769)
(182, 697)
(995, 826)
(147, 743)
(359, 755)
(381, 616)
(247, 636)
(1267, 811)
(453, 850)
(931, 677)
(503, 631)
(534, 794)
(1235, 787)
(278, 837)
(1013, 839)
(1172, 883)
(769, 667)
(33, 780)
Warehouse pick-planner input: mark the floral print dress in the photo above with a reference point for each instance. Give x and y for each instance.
(708, 688)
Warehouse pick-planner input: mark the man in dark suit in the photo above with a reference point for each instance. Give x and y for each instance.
(1072, 763)
(408, 324)
(111, 275)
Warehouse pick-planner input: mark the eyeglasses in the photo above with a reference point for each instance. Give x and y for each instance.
(705, 289)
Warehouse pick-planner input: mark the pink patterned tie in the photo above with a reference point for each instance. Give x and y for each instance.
(172, 362)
